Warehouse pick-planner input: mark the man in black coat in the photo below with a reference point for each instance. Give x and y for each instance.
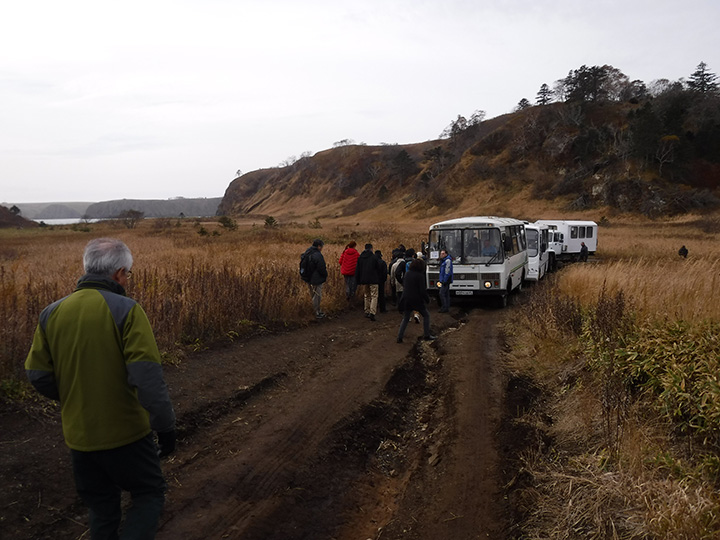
(367, 276)
(382, 307)
(414, 298)
(318, 275)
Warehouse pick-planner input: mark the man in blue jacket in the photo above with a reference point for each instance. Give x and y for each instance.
(444, 280)
(95, 352)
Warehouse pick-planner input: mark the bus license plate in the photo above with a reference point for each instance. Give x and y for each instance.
(463, 293)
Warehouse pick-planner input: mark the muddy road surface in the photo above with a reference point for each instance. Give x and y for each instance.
(333, 431)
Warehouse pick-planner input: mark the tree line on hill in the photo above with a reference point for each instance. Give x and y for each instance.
(596, 139)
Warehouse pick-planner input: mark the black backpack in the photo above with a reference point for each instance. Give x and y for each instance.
(306, 265)
(400, 271)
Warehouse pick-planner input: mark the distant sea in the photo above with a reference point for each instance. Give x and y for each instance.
(64, 221)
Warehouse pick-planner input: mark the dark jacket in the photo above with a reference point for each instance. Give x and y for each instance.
(415, 293)
(367, 271)
(319, 270)
(383, 270)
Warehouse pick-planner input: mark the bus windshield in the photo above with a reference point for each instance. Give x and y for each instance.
(470, 246)
(532, 242)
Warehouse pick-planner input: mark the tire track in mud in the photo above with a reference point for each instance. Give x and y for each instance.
(381, 444)
(227, 492)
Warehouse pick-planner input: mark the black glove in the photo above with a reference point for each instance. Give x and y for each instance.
(166, 443)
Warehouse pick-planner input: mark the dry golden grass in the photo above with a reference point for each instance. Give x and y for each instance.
(642, 261)
(196, 289)
(638, 461)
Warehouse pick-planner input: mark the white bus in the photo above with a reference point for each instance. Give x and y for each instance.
(537, 251)
(489, 255)
(574, 233)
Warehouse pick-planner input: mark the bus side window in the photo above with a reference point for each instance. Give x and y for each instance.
(573, 232)
(589, 232)
(582, 232)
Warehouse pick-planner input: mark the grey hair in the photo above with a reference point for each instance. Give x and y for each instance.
(104, 256)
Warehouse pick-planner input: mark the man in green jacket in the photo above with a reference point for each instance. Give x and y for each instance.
(95, 352)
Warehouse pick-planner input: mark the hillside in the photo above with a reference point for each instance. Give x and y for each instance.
(8, 219)
(58, 210)
(191, 207)
(657, 156)
(199, 207)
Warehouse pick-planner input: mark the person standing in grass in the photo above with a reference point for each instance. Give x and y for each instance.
(414, 298)
(683, 252)
(444, 280)
(94, 351)
(348, 263)
(583, 252)
(367, 274)
(314, 273)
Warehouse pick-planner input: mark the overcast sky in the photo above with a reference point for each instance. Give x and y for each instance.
(156, 99)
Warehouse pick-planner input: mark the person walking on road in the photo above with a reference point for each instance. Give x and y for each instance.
(444, 280)
(383, 272)
(314, 273)
(367, 274)
(348, 263)
(414, 298)
(94, 351)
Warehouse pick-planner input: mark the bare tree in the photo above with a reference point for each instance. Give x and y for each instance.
(130, 218)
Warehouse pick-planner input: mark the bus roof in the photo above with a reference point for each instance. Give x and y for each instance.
(537, 225)
(476, 221)
(565, 222)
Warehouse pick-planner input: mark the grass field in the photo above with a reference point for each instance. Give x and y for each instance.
(626, 350)
(199, 283)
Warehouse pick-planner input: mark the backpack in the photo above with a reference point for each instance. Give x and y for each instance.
(306, 266)
(400, 271)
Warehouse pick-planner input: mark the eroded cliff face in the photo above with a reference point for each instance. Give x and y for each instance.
(342, 180)
(577, 157)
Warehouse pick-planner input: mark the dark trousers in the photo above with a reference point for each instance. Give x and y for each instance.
(444, 293)
(406, 319)
(101, 475)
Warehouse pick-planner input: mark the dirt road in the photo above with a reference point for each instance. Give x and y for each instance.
(333, 431)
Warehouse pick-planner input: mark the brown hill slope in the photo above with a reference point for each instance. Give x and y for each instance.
(8, 219)
(574, 157)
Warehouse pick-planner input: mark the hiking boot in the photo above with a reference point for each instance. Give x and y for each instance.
(398, 340)
(320, 315)
(417, 318)
(371, 317)
(429, 337)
